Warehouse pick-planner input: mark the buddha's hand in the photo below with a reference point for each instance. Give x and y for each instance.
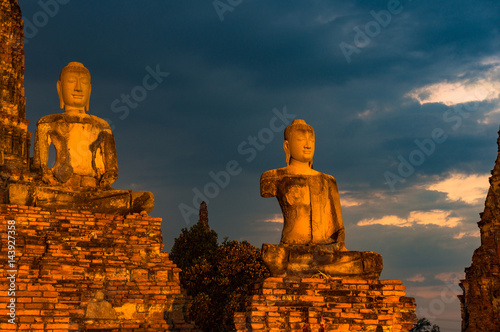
(342, 246)
(49, 178)
(107, 179)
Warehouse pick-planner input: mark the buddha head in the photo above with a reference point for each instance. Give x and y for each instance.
(74, 87)
(299, 142)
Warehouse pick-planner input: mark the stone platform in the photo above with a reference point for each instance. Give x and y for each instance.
(79, 271)
(287, 304)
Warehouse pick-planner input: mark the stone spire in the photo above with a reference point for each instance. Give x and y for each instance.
(14, 136)
(481, 299)
(203, 214)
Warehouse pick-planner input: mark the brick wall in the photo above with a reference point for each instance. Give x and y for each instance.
(287, 304)
(80, 271)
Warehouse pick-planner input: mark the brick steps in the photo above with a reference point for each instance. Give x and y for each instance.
(65, 258)
(287, 304)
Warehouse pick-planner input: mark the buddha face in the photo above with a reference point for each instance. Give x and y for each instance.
(300, 146)
(74, 90)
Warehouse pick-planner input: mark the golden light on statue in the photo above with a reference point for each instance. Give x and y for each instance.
(86, 163)
(313, 237)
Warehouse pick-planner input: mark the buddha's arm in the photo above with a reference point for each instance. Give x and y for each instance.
(340, 232)
(109, 158)
(41, 152)
(42, 144)
(268, 184)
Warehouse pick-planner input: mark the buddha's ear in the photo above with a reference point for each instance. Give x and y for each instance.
(286, 147)
(59, 92)
(88, 99)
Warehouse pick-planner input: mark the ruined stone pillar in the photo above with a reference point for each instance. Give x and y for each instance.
(14, 150)
(481, 298)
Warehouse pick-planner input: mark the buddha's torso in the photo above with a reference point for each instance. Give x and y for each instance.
(307, 205)
(77, 140)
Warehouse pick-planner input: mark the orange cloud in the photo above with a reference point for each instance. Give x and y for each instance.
(389, 220)
(417, 278)
(451, 277)
(434, 217)
(461, 235)
(274, 218)
(346, 201)
(468, 188)
(485, 88)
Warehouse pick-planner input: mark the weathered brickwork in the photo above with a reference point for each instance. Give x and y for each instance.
(80, 271)
(288, 304)
(14, 136)
(481, 298)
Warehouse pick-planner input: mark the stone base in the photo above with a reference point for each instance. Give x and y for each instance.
(83, 271)
(100, 201)
(287, 304)
(308, 260)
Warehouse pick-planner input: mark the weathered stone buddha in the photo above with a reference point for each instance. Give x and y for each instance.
(313, 237)
(85, 162)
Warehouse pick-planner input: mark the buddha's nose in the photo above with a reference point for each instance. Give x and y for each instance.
(78, 86)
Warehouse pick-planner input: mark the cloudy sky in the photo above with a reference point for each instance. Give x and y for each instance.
(403, 96)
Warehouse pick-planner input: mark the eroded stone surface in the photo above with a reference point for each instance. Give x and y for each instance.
(300, 260)
(14, 137)
(481, 298)
(313, 237)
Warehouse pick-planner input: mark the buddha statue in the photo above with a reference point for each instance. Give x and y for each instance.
(309, 199)
(84, 144)
(313, 236)
(85, 161)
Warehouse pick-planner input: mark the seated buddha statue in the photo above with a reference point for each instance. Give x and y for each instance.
(85, 162)
(313, 236)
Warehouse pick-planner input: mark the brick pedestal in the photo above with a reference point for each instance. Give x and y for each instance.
(287, 304)
(79, 271)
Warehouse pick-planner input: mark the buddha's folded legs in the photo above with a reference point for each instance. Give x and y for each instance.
(308, 260)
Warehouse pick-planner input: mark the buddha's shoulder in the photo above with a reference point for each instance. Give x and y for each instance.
(274, 173)
(327, 177)
(74, 118)
(99, 121)
(267, 175)
(51, 118)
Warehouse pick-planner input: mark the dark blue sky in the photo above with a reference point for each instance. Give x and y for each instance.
(403, 96)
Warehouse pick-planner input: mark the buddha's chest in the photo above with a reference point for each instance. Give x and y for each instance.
(302, 190)
(72, 135)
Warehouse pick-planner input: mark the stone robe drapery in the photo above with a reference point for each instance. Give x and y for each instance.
(310, 206)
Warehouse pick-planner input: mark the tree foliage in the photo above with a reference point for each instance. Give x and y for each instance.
(217, 277)
(195, 243)
(423, 325)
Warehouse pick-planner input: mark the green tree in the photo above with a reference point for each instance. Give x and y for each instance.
(195, 243)
(217, 277)
(423, 325)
